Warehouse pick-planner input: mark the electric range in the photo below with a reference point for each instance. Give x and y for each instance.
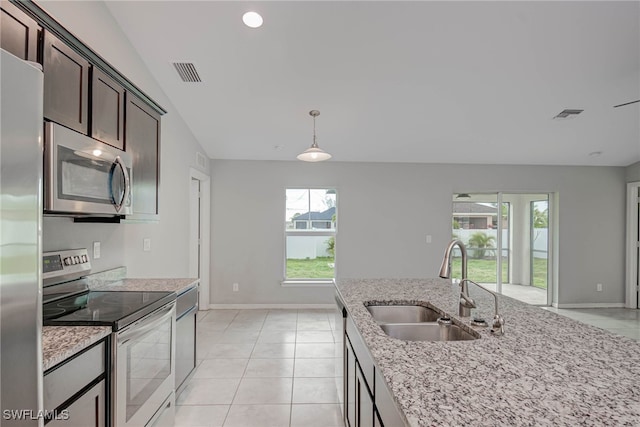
(142, 355)
(72, 303)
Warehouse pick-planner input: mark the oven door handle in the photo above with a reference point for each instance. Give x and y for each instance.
(150, 322)
(127, 184)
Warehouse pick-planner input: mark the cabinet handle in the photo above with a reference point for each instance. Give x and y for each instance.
(127, 184)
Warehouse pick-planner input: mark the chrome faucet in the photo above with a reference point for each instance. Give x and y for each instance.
(498, 320)
(466, 303)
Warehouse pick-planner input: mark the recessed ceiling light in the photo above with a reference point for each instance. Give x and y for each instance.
(252, 19)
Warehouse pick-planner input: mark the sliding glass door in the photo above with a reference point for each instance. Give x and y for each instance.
(507, 239)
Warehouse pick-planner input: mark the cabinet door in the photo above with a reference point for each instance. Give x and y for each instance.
(66, 85)
(142, 141)
(88, 411)
(364, 401)
(350, 385)
(107, 110)
(18, 32)
(376, 420)
(185, 347)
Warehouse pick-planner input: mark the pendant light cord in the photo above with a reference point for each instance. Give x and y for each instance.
(314, 132)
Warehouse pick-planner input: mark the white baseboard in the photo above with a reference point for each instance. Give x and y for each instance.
(591, 305)
(269, 306)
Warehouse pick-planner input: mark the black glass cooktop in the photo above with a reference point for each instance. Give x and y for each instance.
(104, 308)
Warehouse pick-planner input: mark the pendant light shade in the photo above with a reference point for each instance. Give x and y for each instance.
(314, 153)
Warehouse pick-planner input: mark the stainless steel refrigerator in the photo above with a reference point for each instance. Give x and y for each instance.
(21, 125)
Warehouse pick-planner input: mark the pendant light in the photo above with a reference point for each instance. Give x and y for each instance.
(314, 153)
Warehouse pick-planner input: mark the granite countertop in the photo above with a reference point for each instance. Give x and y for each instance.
(61, 342)
(546, 370)
(146, 285)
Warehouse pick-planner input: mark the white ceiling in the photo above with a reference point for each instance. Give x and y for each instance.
(432, 82)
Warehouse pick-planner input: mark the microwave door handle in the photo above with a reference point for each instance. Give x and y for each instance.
(127, 184)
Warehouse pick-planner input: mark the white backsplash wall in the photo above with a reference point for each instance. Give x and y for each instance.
(386, 210)
(122, 244)
(62, 233)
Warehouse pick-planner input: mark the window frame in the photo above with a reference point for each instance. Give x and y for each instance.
(310, 232)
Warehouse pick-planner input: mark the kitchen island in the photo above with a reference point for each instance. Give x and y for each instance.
(545, 370)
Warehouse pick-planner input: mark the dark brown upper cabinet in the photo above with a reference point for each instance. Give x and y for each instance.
(142, 141)
(66, 85)
(18, 32)
(107, 110)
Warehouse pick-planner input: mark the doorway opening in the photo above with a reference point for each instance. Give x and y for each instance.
(508, 241)
(633, 246)
(199, 226)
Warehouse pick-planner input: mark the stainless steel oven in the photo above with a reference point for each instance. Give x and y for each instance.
(83, 176)
(144, 371)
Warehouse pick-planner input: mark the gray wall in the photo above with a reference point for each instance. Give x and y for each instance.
(633, 172)
(122, 244)
(393, 207)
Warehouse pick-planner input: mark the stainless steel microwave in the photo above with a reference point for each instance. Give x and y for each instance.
(83, 176)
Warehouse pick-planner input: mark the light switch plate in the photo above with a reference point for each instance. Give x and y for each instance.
(146, 245)
(96, 250)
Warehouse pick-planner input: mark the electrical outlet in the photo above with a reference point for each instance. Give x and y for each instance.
(599, 287)
(96, 250)
(235, 287)
(146, 245)
(428, 238)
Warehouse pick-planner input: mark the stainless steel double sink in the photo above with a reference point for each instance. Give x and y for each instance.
(417, 323)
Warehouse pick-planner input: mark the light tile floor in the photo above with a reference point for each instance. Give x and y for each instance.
(621, 321)
(263, 368)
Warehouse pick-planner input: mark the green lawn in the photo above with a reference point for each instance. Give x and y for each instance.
(319, 268)
(484, 270)
(479, 270)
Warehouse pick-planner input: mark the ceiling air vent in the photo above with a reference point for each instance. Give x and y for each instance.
(567, 114)
(187, 72)
(201, 160)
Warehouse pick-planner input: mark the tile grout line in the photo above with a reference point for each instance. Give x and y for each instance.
(242, 377)
(295, 353)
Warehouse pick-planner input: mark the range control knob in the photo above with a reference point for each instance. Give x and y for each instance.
(76, 259)
(67, 261)
(84, 258)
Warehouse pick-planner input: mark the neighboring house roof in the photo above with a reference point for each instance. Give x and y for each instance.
(316, 216)
(473, 208)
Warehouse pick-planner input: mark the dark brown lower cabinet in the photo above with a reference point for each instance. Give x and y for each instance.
(359, 405)
(367, 401)
(75, 391)
(364, 401)
(350, 381)
(87, 411)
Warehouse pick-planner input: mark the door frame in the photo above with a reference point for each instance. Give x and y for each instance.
(631, 300)
(205, 236)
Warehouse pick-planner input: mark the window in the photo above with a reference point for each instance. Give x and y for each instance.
(310, 229)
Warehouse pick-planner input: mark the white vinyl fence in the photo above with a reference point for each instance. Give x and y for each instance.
(303, 247)
(540, 237)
